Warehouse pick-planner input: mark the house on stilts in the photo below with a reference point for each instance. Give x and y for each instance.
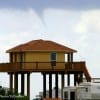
(46, 57)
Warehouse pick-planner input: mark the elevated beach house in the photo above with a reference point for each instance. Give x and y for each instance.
(46, 57)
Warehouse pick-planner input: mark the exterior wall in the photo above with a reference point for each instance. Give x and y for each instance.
(95, 91)
(84, 93)
(40, 57)
(44, 59)
(88, 91)
(17, 57)
(68, 90)
(36, 57)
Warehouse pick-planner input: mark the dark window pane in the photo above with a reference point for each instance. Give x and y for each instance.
(53, 56)
(65, 95)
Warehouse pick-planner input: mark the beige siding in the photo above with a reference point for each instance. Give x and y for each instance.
(36, 56)
(39, 57)
(42, 57)
(60, 57)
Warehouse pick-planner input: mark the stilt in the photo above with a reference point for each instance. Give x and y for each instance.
(68, 58)
(16, 83)
(28, 85)
(11, 81)
(75, 79)
(68, 78)
(22, 84)
(62, 84)
(56, 85)
(71, 57)
(50, 85)
(44, 85)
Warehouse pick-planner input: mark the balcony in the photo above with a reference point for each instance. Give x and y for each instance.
(66, 67)
(42, 66)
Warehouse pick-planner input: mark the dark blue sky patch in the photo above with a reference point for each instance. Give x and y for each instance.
(43, 4)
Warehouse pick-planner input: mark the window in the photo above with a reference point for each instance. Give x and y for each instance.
(86, 89)
(53, 56)
(65, 95)
(53, 59)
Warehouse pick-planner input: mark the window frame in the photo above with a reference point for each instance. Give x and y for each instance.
(53, 58)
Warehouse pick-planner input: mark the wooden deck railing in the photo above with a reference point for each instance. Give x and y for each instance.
(41, 66)
(66, 67)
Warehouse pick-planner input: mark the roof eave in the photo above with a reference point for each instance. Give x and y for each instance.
(12, 51)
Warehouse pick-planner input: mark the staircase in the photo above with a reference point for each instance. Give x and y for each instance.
(86, 73)
(77, 67)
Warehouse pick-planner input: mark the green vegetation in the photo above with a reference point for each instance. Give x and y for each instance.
(9, 95)
(13, 98)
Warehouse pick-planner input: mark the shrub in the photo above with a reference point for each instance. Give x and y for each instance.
(2, 92)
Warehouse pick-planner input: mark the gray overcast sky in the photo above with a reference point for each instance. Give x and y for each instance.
(74, 23)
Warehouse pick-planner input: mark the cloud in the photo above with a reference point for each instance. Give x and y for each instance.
(89, 21)
(18, 27)
(20, 21)
(60, 23)
(88, 29)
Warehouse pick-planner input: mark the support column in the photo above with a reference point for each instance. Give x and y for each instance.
(11, 81)
(22, 84)
(44, 85)
(75, 79)
(68, 79)
(71, 57)
(56, 85)
(11, 57)
(28, 85)
(16, 83)
(50, 85)
(68, 57)
(62, 84)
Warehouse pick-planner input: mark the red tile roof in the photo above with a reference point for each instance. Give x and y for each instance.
(41, 45)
